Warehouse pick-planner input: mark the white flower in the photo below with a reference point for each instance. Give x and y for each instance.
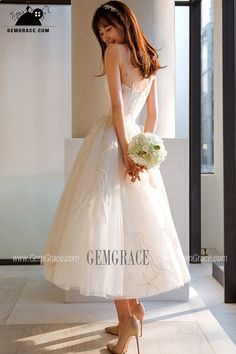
(147, 149)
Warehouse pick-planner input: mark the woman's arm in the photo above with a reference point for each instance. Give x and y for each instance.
(151, 119)
(112, 66)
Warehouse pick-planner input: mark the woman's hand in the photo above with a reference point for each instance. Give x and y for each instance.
(132, 168)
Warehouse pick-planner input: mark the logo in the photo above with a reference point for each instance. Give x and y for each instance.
(30, 17)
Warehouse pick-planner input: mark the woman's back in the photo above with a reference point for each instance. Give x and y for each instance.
(135, 89)
(130, 76)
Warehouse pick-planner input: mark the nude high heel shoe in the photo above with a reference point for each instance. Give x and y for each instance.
(138, 311)
(131, 329)
(113, 330)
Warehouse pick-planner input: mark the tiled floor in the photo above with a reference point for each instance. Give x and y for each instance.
(34, 318)
(212, 293)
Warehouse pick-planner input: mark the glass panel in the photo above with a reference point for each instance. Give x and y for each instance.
(207, 76)
(182, 71)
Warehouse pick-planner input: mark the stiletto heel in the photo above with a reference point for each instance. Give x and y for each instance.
(137, 342)
(141, 326)
(139, 312)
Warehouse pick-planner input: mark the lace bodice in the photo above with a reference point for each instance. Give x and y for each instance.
(134, 99)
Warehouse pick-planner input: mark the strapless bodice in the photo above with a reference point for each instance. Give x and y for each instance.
(133, 98)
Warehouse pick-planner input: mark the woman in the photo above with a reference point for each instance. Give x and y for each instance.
(110, 205)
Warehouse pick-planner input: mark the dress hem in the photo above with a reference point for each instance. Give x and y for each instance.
(115, 297)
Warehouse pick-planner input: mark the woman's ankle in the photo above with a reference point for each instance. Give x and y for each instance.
(123, 320)
(132, 304)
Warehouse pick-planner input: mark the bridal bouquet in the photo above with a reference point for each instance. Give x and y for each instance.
(147, 149)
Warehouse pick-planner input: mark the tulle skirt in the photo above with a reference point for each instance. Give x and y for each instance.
(111, 237)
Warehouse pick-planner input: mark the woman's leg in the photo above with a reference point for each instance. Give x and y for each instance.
(132, 303)
(123, 312)
(124, 309)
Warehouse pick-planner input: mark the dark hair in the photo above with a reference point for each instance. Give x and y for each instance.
(117, 14)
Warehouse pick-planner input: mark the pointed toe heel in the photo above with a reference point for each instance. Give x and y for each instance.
(131, 329)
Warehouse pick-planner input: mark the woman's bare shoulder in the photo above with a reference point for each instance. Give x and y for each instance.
(113, 51)
(117, 48)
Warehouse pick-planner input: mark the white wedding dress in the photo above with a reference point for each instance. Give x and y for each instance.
(101, 209)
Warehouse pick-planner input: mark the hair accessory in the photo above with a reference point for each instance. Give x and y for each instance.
(110, 8)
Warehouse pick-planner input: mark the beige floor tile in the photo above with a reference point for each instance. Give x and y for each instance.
(10, 289)
(43, 302)
(159, 338)
(35, 318)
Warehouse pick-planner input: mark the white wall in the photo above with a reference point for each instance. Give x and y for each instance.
(35, 119)
(212, 184)
(182, 72)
